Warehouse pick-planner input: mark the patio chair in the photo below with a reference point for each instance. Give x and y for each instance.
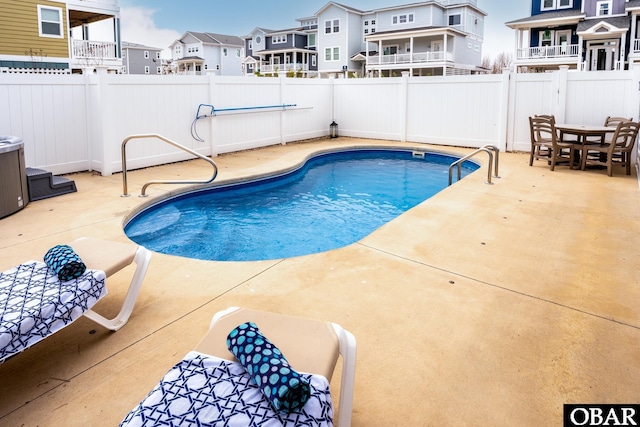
(230, 396)
(609, 122)
(36, 302)
(616, 151)
(546, 143)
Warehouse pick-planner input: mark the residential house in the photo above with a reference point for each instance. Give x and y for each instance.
(429, 38)
(291, 51)
(436, 37)
(54, 36)
(199, 53)
(140, 59)
(586, 35)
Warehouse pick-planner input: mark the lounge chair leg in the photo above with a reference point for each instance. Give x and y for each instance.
(141, 259)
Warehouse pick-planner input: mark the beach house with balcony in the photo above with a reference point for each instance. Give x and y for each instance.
(53, 36)
(201, 53)
(291, 51)
(432, 38)
(585, 35)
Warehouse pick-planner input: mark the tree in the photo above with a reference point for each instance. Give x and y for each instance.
(502, 60)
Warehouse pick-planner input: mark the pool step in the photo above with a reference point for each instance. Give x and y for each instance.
(43, 184)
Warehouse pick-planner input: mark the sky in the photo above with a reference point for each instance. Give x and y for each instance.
(158, 23)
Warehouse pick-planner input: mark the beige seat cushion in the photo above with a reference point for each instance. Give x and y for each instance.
(104, 255)
(310, 346)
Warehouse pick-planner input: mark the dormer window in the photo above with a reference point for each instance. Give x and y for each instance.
(603, 8)
(556, 4)
(402, 19)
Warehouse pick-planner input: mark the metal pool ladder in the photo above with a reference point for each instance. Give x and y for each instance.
(168, 141)
(489, 149)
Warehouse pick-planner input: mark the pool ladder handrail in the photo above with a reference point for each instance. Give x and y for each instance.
(489, 149)
(168, 141)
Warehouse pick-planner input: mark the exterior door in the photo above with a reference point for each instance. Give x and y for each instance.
(563, 40)
(602, 55)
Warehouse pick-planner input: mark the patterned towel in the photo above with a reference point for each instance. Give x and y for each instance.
(281, 384)
(203, 390)
(65, 262)
(35, 303)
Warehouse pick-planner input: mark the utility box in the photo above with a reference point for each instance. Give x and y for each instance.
(13, 176)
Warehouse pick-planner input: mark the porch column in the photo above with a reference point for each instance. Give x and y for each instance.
(580, 52)
(411, 53)
(444, 56)
(379, 58)
(622, 54)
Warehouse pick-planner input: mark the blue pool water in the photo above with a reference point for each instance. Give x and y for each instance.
(334, 200)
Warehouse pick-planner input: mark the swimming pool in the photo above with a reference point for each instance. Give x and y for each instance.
(331, 201)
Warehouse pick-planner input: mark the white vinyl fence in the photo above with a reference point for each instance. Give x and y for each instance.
(73, 123)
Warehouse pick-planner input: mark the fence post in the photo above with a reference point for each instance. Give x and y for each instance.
(211, 122)
(282, 115)
(404, 99)
(503, 123)
(560, 95)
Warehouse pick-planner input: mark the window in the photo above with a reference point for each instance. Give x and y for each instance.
(50, 19)
(366, 31)
(332, 26)
(313, 60)
(402, 19)
(250, 44)
(545, 38)
(146, 69)
(556, 4)
(157, 55)
(454, 20)
(238, 53)
(332, 54)
(603, 8)
(373, 22)
(158, 70)
(225, 51)
(146, 54)
(366, 23)
(279, 39)
(311, 40)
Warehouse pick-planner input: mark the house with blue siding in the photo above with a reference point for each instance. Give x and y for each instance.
(585, 35)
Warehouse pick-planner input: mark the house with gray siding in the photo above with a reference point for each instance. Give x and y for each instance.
(140, 59)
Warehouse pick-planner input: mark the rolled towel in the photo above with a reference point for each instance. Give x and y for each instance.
(285, 389)
(65, 262)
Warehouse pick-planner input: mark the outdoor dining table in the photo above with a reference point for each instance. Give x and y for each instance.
(582, 132)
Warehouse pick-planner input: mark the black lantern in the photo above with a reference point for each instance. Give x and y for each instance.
(333, 129)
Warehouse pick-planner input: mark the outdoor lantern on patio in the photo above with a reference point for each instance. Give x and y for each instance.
(333, 129)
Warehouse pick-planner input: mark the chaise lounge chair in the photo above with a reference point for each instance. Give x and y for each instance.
(36, 303)
(210, 387)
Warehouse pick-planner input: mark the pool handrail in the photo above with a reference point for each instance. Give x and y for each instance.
(168, 141)
(489, 149)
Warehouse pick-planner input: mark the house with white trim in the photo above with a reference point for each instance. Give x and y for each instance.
(291, 51)
(54, 36)
(141, 59)
(585, 35)
(428, 38)
(200, 53)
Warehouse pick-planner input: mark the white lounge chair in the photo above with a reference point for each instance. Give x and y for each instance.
(220, 391)
(35, 303)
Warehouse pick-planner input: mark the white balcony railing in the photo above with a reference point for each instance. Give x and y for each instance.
(636, 46)
(561, 51)
(283, 68)
(410, 58)
(87, 49)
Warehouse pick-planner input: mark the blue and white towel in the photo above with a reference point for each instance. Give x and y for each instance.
(35, 303)
(203, 390)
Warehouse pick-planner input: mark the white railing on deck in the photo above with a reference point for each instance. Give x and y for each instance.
(7, 70)
(559, 51)
(636, 46)
(410, 58)
(87, 49)
(283, 68)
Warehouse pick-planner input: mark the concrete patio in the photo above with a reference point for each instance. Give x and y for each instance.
(486, 305)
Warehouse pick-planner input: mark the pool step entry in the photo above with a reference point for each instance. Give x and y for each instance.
(43, 184)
